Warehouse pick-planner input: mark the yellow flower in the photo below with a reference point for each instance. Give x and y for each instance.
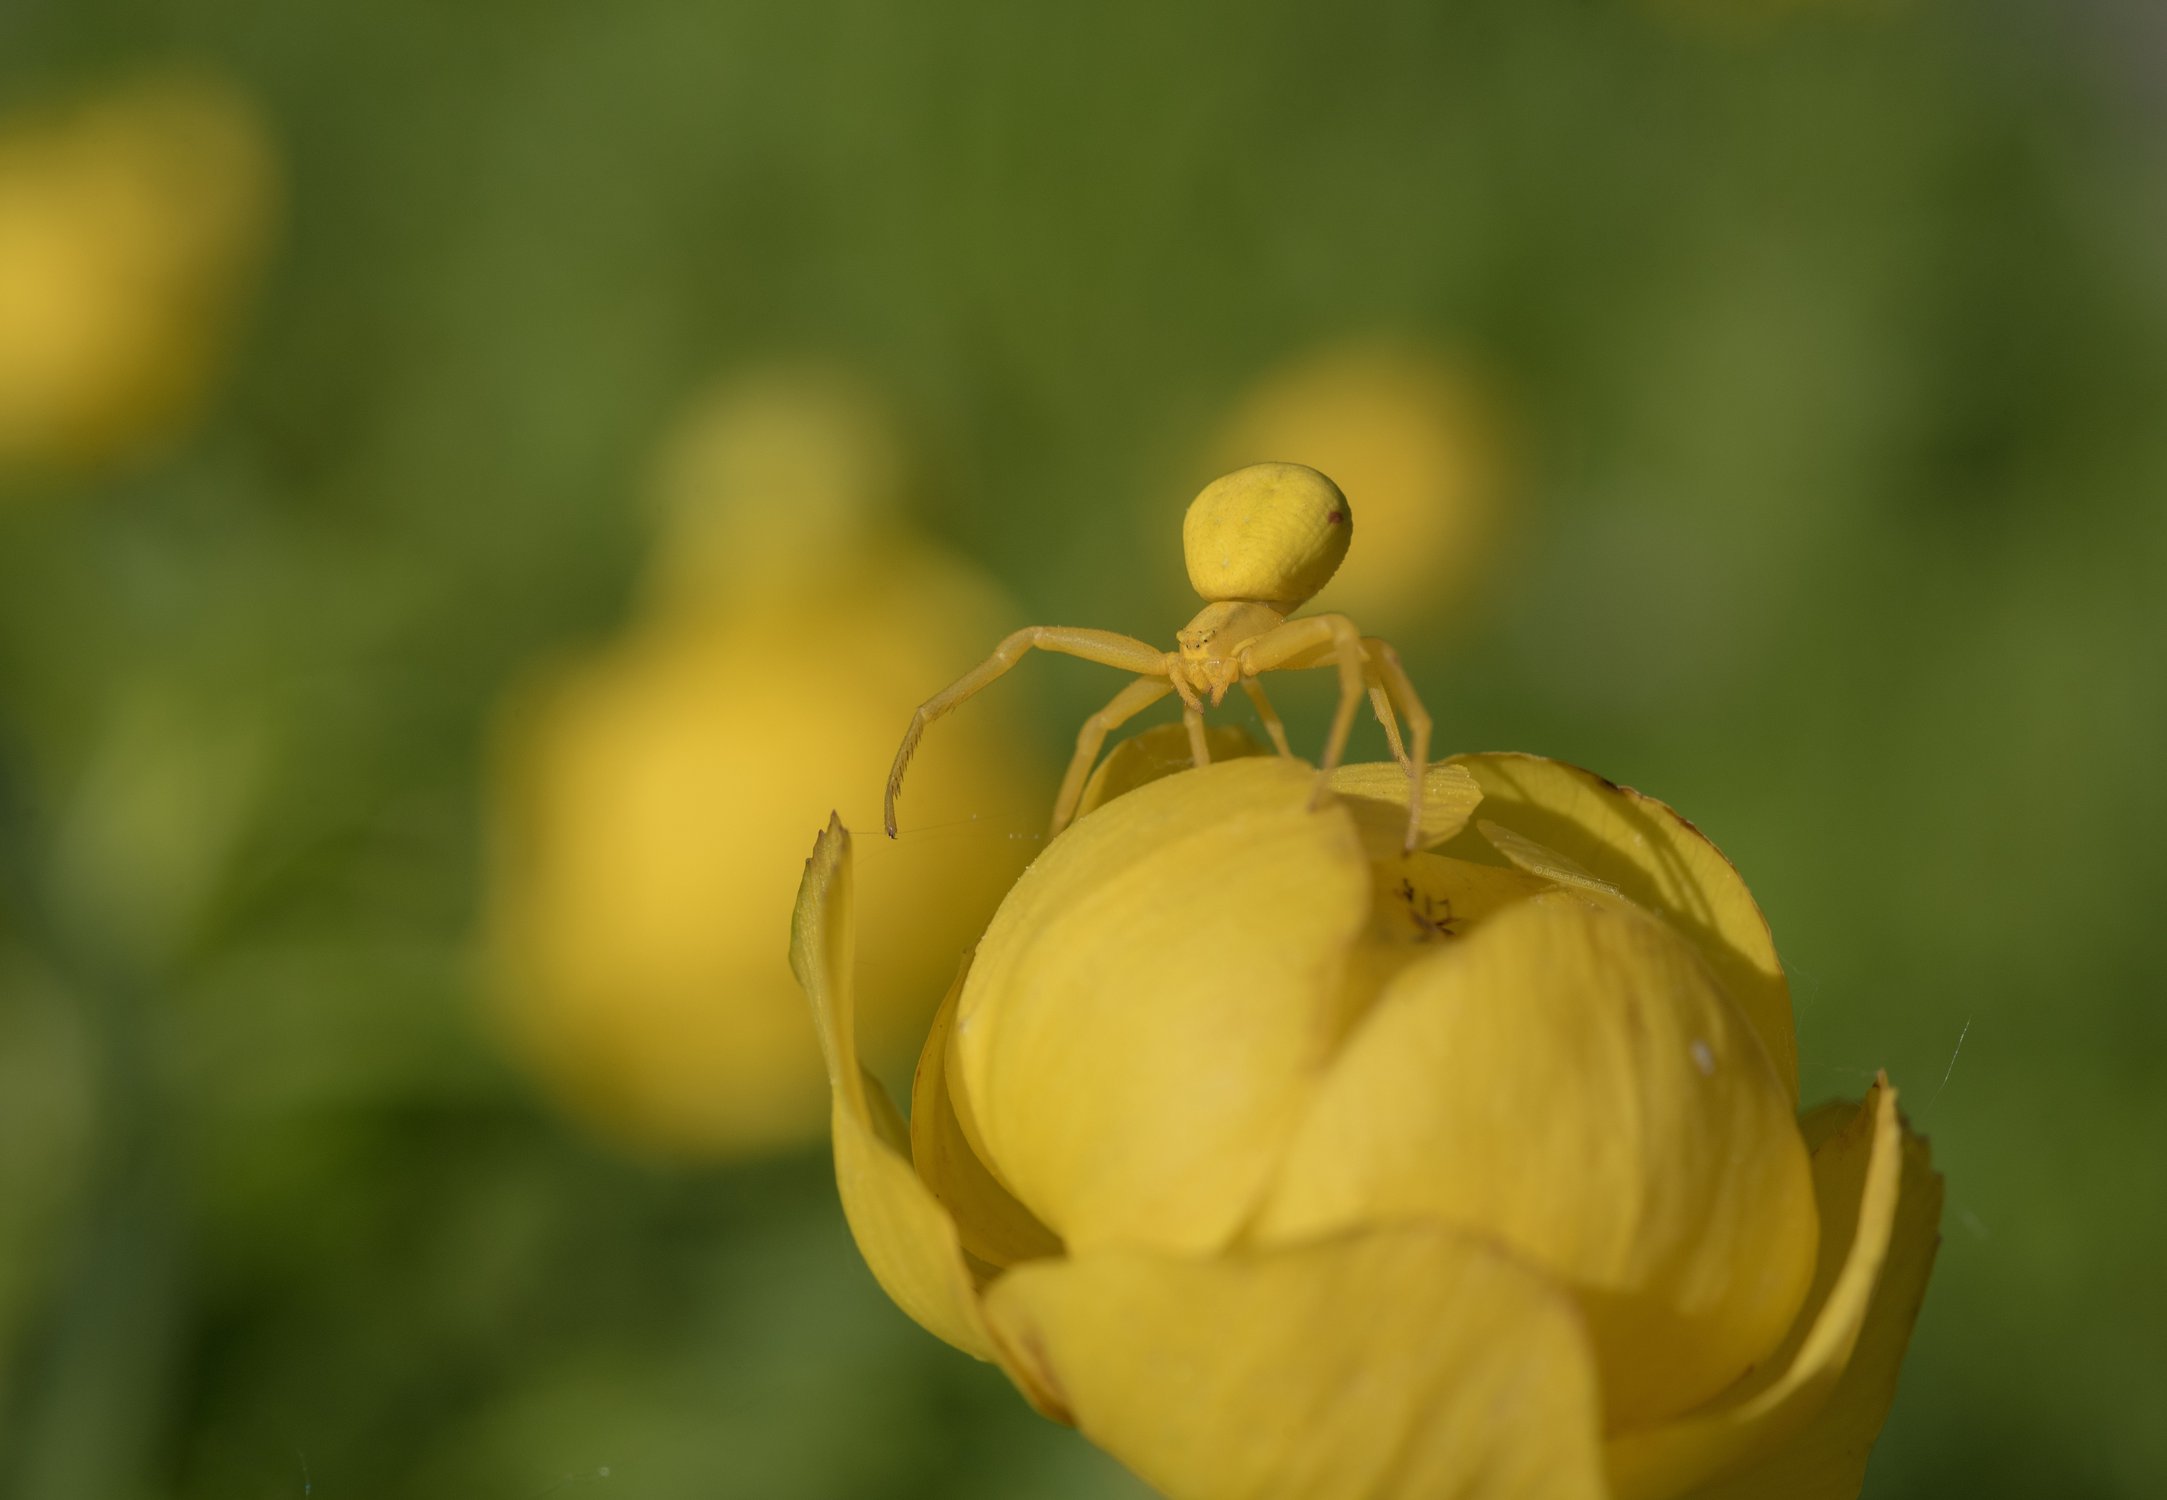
(652, 798)
(1416, 444)
(128, 228)
(1284, 1164)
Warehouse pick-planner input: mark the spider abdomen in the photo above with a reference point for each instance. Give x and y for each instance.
(1271, 532)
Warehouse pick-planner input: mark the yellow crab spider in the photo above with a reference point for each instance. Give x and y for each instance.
(1259, 542)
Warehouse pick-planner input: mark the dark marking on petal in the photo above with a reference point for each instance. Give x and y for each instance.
(1041, 1362)
(1432, 918)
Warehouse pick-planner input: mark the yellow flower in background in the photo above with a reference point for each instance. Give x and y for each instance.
(1413, 440)
(766, 477)
(652, 798)
(129, 227)
(1282, 1163)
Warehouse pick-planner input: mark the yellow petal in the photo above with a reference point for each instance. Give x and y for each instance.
(1570, 1079)
(1827, 1459)
(1620, 838)
(994, 1227)
(1160, 751)
(1801, 1428)
(1153, 1003)
(1544, 862)
(906, 1237)
(1376, 793)
(1421, 900)
(1408, 1362)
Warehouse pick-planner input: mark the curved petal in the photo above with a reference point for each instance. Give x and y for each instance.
(1570, 1079)
(1406, 1362)
(1418, 901)
(1802, 1426)
(1636, 845)
(1826, 1460)
(1155, 1001)
(994, 1227)
(1159, 751)
(906, 1237)
(1376, 793)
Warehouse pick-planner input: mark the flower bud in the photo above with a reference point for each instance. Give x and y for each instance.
(650, 796)
(1283, 1162)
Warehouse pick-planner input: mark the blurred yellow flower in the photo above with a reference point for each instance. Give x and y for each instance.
(1282, 1163)
(652, 798)
(128, 228)
(765, 476)
(1414, 441)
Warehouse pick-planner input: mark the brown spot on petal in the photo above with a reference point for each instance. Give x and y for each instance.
(1625, 791)
(1041, 1363)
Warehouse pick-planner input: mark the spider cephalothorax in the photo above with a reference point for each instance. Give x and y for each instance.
(1259, 542)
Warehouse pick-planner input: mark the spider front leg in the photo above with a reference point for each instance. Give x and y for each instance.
(1104, 646)
(1380, 702)
(1396, 685)
(1192, 719)
(1273, 725)
(1127, 704)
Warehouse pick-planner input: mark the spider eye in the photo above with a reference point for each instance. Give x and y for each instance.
(1271, 532)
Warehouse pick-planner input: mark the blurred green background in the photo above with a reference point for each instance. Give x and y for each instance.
(1829, 344)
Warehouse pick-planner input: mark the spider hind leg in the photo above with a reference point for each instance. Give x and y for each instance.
(1365, 665)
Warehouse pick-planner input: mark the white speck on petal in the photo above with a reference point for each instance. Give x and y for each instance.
(1704, 1058)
